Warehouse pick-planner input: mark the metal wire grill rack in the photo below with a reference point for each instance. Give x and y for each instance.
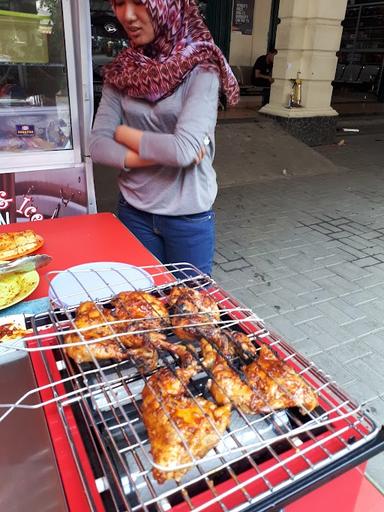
(255, 457)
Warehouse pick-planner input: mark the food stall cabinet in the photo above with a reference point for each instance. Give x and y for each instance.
(88, 415)
(46, 110)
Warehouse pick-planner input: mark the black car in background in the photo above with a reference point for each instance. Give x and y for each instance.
(108, 39)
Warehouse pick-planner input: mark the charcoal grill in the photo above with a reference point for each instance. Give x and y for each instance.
(262, 462)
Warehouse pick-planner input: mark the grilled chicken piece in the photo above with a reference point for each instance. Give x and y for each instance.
(226, 386)
(193, 313)
(141, 306)
(267, 384)
(180, 428)
(133, 313)
(278, 385)
(141, 319)
(89, 315)
(220, 344)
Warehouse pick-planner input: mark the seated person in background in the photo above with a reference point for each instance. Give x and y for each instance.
(262, 73)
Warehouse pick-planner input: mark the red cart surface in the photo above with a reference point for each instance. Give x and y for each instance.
(286, 451)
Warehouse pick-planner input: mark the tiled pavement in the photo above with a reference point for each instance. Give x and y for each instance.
(307, 255)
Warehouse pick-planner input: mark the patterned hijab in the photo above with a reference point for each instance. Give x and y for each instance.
(182, 41)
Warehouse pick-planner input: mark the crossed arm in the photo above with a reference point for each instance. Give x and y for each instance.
(122, 146)
(131, 137)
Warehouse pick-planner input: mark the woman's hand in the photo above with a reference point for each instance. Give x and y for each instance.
(133, 161)
(200, 155)
(120, 134)
(130, 137)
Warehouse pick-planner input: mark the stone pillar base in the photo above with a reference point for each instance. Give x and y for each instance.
(308, 38)
(314, 130)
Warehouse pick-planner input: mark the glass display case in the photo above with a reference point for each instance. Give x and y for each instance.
(46, 108)
(34, 91)
(108, 39)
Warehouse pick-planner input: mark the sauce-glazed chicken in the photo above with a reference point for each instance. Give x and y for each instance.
(147, 310)
(135, 324)
(183, 428)
(180, 428)
(267, 384)
(92, 322)
(140, 320)
(193, 313)
(278, 385)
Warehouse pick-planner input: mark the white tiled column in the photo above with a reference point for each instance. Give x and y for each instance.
(308, 38)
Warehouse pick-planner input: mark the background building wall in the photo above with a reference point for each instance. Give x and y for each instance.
(245, 49)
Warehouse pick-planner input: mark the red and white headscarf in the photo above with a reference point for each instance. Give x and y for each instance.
(182, 41)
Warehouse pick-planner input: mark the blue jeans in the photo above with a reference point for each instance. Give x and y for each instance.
(173, 239)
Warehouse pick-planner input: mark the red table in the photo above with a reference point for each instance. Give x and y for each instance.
(101, 237)
(83, 239)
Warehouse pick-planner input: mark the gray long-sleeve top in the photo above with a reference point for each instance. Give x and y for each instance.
(174, 132)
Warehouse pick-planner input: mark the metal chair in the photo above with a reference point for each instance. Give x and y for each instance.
(352, 73)
(339, 72)
(369, 73)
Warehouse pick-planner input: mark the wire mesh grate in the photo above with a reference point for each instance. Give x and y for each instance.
(253, 455)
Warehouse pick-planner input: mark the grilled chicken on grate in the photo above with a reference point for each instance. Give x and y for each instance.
(137, 320)
(193, 313)
(278, 385)
(92, 322)
(180, 428)
(147, 310)
(267, 384)
(141, 320)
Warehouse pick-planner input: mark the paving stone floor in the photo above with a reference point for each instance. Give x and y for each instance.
(307, 255)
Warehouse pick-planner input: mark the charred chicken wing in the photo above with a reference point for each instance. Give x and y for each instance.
(92, 323)
(226, 386)
(278, 385)
(193, 313)
(136, 320)
(180, 428)
(265, 384)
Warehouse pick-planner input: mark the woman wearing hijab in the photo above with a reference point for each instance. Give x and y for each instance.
(156, 122)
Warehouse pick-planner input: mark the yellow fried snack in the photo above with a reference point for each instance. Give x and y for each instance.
(9, 288)
(19, 243)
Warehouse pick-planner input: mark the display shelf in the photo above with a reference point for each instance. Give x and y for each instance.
(32, 64)
(32, 110)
